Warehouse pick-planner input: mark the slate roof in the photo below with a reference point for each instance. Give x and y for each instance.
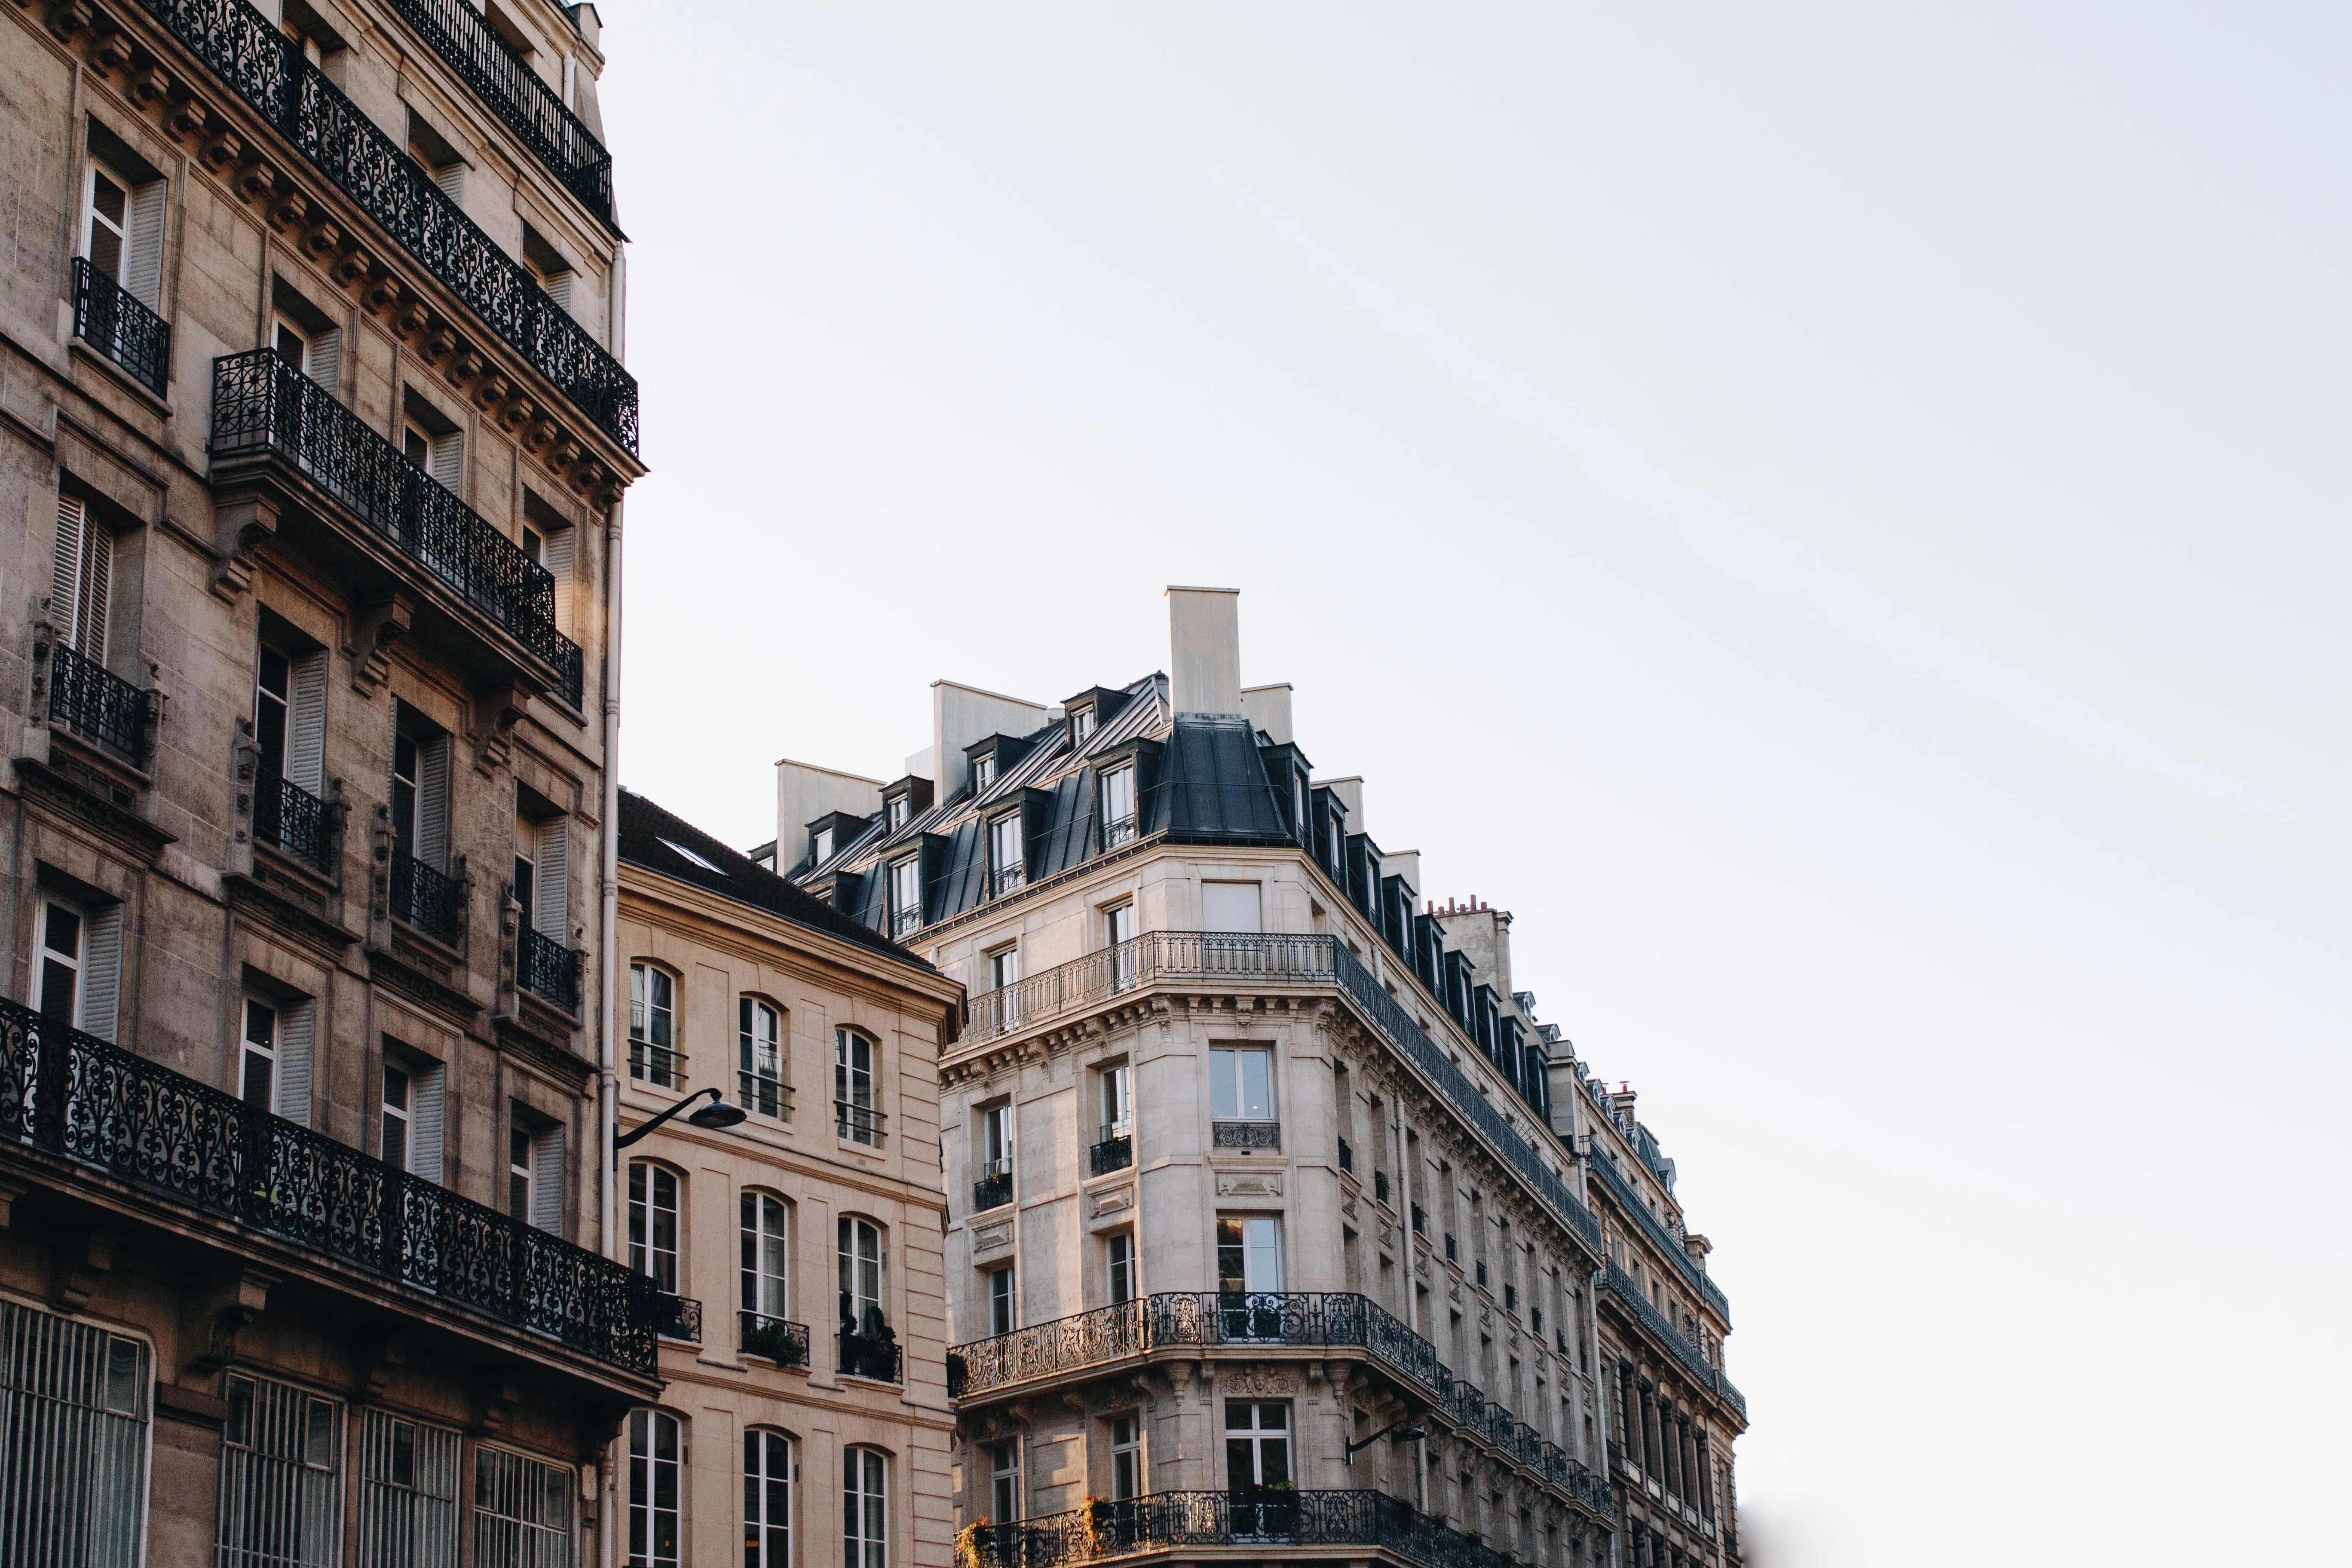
(645, 826)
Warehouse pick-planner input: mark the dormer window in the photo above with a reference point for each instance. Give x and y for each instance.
(1005, 855)
(983, 773)
(1119, 807)
(821, 846)
(1082, 724)
(901, 809)
(906, 896)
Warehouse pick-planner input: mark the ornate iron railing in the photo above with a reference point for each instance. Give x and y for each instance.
(1249, 1521)
(1115, 1150)
(1117, 831)
(427, 899)
(1660, 1236)
(262, 405)
(994, 1188)
(70, 1095)
(517, 95)
(1694, 1361)
(1245, 1134)
(1004, 880)
(680, 1319)
(265, 67)
(1303, 1320)
(548, 970)
(288, 818)
(868, 1355)
(905, 923)
(113, 320)
(781, 1341)
(859, 1124)
(99, 705)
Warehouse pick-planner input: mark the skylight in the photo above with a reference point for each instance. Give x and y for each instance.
(674, 845)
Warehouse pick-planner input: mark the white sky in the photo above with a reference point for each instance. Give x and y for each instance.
(1831, 515)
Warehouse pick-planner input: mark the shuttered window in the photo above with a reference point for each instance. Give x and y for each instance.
(550, 897)
(425, 1122)
(73, 1420)
(81, 579)
(408, 1494)
(297, 1030)
(280, 1477)
(547, 1180)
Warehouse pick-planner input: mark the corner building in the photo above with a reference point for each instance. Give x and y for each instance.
(313, 433)
(805, 1419)
(1262, 1242)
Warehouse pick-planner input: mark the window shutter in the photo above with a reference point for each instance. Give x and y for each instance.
(102, 974)
(551, 911)
(446, 461)
(306, 728)
(143, 275)
(322, 360)
(64, 571)
(557, 547)
(97, 587)
(433, 802)
(547, 1181)
(558, 289)
(424, 1109)
(296, 1026)
(451, 178)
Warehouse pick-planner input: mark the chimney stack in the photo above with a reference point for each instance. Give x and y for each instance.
(1204, 651)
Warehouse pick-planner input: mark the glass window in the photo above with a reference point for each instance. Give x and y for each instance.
(1249, 1254)
(1241, 1084)
(1119, 807)
(1125, 1457)
(1082, 725)
(273, 695)
(1006, 849)
(1004, 1482)
(259, 1079)
(653, 1027)
(74, 1409)
(861, 1276)
(766, 1500)
(653, 1490)
(760, 1037)
(906, 895)
(983, 773)
(1258, 1444)
(282, 1492)
(408, 1492)
(865, 1510)
(518, 1172)
(856, 1115)
(1117, 1103)
(901, 808)
(653, 1223)
(61, 965)
(766, 1247)
(1000, 1301)
(1119, 1255)
(822, 850)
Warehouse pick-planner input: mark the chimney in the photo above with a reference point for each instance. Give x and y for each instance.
(963, 714)
(1204, 651)
(1269, 708)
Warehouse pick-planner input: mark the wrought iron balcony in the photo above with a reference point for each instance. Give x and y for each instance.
(1248, 1521)
(1117, 831)
(1114, 1151)
(1004, 880)
(70, 1095)
(288, 818)
(548, 970)
(1662, 1238)
(1229, 958)
(1187, 1321)
(874, 1356)
(858, 1124)
(762, 1095)
(99, 705)
(1694, 1361)
(783, 1341)
(1245, 1135)
(994, 1188)
(657, 1065)
(680, 1319)
(905, 923)
(517, 95)
(266, 69)
(263, 407)
(428, 900)
(112, 320)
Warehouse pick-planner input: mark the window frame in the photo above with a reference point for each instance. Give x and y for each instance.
(1239, 1084)
(757, 1246)
(663, 1066)
(648, 1426)
(763, 1093)
(761, 1488)
(857, 1120)
(865, 1507)
(646, 1254)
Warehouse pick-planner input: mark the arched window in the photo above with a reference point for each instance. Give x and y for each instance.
(653, 1484)
(865, 1510)
(766, 1500)
(857, 1112)
(653, 1055)
(653, 1222)
(868, 1346)
(760, 1031)
(767, 1297)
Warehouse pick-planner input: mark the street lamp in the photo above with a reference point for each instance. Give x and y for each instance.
(719, 1113)
(1395, 1431)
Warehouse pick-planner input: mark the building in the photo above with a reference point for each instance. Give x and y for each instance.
(1262, 1240)
(806, 1374)
(312, 436)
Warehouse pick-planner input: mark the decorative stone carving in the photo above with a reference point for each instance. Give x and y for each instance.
(1114, 1200)
(1250, 1382)
(1249, 1184)
(994, 1238)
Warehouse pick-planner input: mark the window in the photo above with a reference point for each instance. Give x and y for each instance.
(408, 1492)
(1257, 1445)
(821, 850)
(683, 853)
(1119, 807)
(855, 1114)
(1004, 1482)
(535, 1174)
(1004, 967)
(1005, 845)
(1241, 1084)
(1119, 932)
(75, 1407)
(767, 1245)
(901, 810)
(906, 892)
(396, 1112)
(281, 1485)
(259, 1078)
(552, 542)
(766, 1500)
(122, 231)
(996, 1142)
(865, 1510)
(275, 1072)
(314, 352)
(1082, 725)
(653, 1027)
(81, 579)
(759, 1040)
(653, 1461)
(518, 1172)
(1118, 1253)
(522, 1510)
(860, 1242)
(409, 1116)
(430, 441)
(289, 725)
(420, 792)
(653, 1223)
(1230, 907)
(78, 970)
(983, 773)
(1249, 1255)
(1125, 1457)
(1118, 1102)
(543, 873)
(1000, 1308)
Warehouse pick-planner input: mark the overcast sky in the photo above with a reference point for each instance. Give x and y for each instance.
(1834, 516)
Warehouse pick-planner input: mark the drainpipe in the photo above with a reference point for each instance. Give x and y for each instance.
(608, 934)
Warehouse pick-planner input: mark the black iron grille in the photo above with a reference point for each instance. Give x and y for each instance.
(290, 818)
(98, 704)
(427, 899)
(785, 1343)
(548, 970)
(112, 321)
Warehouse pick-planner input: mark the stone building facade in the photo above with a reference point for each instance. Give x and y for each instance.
(312, 436)
(806, 1406)
(1262, 1241)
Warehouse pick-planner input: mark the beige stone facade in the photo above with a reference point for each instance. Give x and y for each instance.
(764, 1224)
(311, 441)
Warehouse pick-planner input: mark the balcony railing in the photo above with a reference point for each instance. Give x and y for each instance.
(265, 67)
(762, 1095)
(112, 320)
(858, 1124)
(288, 818)
(785, 1343)
(1117, 831)
(70, 1095)
(517, 95)
(1381, 1186)
(868, 1355)
(680, 1319)
(99, 705)
(548, 970)
(905, 923)
(1704, 1373)
(1114, 1151)
(1245, 1134)
(1347, 1156)
(429, 901)
(994, 1188)
(1220, 958)
(1004, 880)
(262, 405)
(1249, 1521)
(1660, 1236)
(1189, 1319)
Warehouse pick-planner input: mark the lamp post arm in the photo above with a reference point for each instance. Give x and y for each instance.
(625, 1138)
